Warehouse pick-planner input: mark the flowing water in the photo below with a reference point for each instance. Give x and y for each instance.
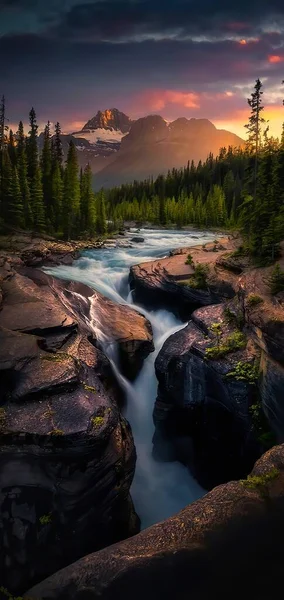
(159, 489)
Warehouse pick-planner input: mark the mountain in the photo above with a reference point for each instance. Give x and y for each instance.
(120, 150)
(153, 146)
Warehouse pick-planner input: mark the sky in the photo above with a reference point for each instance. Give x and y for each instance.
(192, 58)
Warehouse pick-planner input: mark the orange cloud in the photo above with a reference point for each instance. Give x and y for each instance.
(275, 58)
(157, 100)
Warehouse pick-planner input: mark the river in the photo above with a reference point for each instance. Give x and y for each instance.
(159, 489)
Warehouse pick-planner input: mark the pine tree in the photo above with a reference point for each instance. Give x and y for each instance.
(87, 201)
(56, 197)
(254, 127)
(31, 146)
(3, 144)
(37, 204)
(23, 176)
(71, 197)
(58, 151)
(12, 149)
(46, 167)
(15, 209)
(101, 225)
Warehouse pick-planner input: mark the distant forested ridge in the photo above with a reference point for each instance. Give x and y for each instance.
(240, 188)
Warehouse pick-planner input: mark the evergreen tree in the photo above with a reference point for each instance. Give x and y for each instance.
(37, 203)
(3, 144)
(12, 149)
(31, 146)
(23, 176)
(46, 168)
(71, 197)
(101, 225)
(15, 209)
(58, 151)
(56, 197)
(87, 201)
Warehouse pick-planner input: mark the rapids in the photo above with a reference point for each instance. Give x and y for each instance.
(159, 489)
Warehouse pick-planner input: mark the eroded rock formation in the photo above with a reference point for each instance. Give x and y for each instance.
(228, 544)
(67, 455)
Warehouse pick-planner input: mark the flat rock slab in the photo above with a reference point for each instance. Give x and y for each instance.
(29, 308)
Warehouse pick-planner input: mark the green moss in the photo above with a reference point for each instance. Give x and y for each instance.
(243, 371)
(260, 483)
(89, 388)
(59, 357)
(232, 343)
(254, 300)
(198, 280)
(97, 421)
(45, 519)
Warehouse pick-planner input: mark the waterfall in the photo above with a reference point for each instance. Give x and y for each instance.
(159, 489)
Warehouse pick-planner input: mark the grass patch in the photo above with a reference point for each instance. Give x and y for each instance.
(260, 483)
(254, 300)
(232, 343)
(245, 372)
(198, 280)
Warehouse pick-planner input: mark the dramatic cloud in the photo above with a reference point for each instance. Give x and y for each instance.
(182, 58)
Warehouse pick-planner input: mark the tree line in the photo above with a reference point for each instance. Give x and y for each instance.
(40, 191)
(241, 188)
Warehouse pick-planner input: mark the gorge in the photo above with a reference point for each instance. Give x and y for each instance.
(82, 348)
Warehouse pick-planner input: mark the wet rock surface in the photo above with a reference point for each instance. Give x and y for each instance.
(167, 282)
(208, 550)
(202, 412)
(67, 456)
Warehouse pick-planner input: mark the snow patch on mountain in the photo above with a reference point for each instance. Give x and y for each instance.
(111, 136)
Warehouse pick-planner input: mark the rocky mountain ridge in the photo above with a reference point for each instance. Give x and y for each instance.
(121, 150)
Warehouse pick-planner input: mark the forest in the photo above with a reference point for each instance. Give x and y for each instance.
(241, 188)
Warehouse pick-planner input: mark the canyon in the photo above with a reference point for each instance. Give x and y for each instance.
(79, 347)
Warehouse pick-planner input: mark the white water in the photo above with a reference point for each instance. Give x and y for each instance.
(160, 489)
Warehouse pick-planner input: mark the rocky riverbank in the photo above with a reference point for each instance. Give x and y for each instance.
(221, 379)
(67, 455)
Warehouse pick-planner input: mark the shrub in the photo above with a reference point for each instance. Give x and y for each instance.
(189, 260)
(254, 300)
(234, 318)
(199, 278)
(235, 341)
(276, 280)
(57, 432)
(245, 372)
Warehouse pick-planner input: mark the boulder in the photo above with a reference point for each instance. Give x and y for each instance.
(167, 282)
(138, 239)
(229, 543)
(202, 412)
